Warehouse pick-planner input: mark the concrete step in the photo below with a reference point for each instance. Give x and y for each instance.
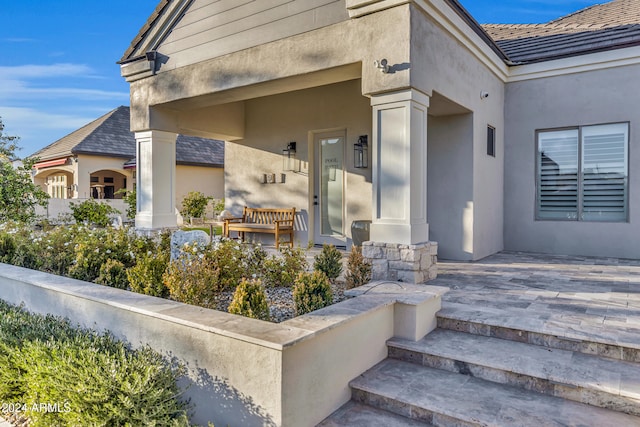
(355, 414)
(448, 399)
(594, 380)
(571, 332)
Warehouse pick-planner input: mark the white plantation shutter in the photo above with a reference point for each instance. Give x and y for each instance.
(604, 172)
(558, 174)
(582, 174)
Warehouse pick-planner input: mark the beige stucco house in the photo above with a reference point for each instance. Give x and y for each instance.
(407, 113)
(99, 159)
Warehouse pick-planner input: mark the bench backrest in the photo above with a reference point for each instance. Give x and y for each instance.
(267, 216)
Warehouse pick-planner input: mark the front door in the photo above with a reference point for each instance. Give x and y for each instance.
(329, 182)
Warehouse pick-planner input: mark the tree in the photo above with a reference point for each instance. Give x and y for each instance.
(18, 194)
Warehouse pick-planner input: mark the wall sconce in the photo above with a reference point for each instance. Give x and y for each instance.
(289, 157)
(361, 152)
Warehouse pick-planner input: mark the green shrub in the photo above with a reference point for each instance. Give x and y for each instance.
(130, 198)
(113, 273)
(92, 212)
(93, 248)
(193, 280)
(7, 247)
(235, 261)
(312, 291)
(93, 378)
(194, 204)
(329, 261)
(250, 300)
(58, 249)
(27, 255)
(358, 269)
(282, 269)
(218, 206)
(146, 276)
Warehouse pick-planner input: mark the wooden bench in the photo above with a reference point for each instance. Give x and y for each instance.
(263, 220)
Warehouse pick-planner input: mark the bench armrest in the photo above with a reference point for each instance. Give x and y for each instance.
(235, 219)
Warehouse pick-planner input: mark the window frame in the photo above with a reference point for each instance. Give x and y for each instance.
(580, 173)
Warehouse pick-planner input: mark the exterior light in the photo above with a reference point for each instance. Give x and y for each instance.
(361, 152)
(289, 157)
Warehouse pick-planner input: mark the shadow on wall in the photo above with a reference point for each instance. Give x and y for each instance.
(216, 400)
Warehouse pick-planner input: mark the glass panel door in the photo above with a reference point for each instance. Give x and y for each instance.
(329, 189)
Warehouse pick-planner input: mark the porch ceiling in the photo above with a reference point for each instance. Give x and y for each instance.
(442, 106)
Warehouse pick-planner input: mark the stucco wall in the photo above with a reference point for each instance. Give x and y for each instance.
(88, 165)
(595, 97)
(440, 63)
(209, 181)
(271, 123)
(244, 372)
(450, 185)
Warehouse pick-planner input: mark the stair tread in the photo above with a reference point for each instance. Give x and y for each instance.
(572, 326)
(559, 366)
(473, 400)
(354, 414)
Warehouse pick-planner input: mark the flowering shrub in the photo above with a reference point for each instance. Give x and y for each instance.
(93, 212)
(94, 247)
(193, 280)
(250, 300)
(113, 273)
(235, 261)
(282, 270)
(146, 276)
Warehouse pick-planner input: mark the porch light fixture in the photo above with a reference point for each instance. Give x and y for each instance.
(361, 152)
(289, 157)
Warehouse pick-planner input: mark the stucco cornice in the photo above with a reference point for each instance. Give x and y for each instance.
(576, 64)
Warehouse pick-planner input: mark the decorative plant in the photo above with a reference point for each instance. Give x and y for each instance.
(282, 269)
(94, 378)
(194, 204)
(250, 300)
(93, 212)
(218, 206)
(329, 261)
(358, 269)
(146, 276)
(130, 198)
(311, 292)
(113, 273)
(193, 280)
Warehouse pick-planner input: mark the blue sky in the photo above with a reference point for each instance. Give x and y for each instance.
(58, 67)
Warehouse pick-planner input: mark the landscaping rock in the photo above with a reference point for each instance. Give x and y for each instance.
(179, 238)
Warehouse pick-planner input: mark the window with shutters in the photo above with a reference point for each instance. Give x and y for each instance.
(582, 173)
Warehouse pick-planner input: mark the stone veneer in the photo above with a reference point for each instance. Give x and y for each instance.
(403, 263)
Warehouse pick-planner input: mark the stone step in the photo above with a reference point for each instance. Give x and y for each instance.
(567, 333)
(448, 399)
(594, 380)
(354, 414)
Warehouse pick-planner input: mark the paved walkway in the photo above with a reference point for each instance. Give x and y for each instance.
(589, 297)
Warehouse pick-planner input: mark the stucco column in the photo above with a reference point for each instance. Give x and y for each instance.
(156, 177)
(399, 246)
(400, 167)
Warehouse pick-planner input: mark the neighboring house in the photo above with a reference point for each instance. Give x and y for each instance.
(98, 160)
(517, 137)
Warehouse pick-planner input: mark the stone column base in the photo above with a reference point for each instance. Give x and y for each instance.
(402, 263)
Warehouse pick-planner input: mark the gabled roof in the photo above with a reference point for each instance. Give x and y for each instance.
(606, 26)
(110, 136)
